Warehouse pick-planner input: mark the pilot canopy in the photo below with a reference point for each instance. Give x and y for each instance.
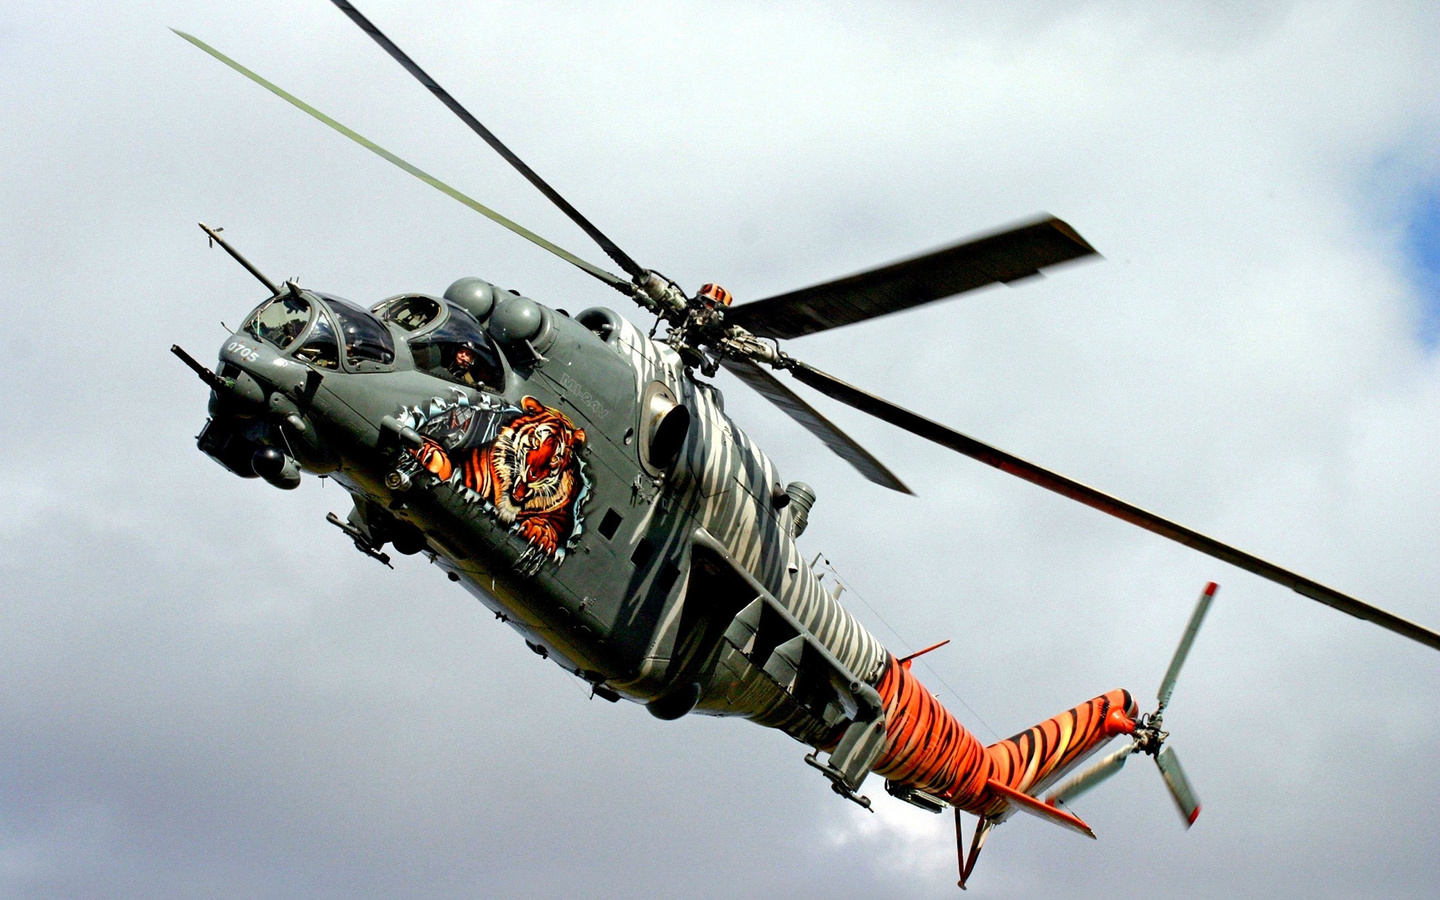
(320, 329)
(325, 331)
(446, 341)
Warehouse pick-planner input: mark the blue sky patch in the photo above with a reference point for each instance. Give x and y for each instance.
(1422, 243)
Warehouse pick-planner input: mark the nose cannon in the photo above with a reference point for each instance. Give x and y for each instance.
(256, 427)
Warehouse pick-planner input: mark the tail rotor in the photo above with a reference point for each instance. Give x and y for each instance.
(1149, 735)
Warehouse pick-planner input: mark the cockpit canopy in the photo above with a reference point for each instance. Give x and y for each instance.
(325, 327)
(279, 321)
(413, 312)
(366, 339)
(447, 341)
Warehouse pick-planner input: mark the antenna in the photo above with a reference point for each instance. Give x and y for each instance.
(215, 238)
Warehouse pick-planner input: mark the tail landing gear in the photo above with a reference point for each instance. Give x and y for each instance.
(967, 861)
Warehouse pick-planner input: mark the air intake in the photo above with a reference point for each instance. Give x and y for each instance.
(802, 497)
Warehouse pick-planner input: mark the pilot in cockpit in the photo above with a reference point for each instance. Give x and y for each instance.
(462, 366)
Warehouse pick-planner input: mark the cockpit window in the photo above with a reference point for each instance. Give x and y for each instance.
(459, 351)
(280, 320)
(366, 340)
(321, 350)
(410, 313)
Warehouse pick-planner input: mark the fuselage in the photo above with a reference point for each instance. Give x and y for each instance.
(580, 481)
(608, 605)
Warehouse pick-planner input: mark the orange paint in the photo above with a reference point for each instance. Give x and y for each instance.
(1119, 722)
(927, 747)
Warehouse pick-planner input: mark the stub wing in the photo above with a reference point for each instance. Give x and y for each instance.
(1025, 803)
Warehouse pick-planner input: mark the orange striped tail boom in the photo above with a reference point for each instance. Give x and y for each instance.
(928, 749)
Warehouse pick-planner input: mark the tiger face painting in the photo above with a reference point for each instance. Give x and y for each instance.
(528, 474)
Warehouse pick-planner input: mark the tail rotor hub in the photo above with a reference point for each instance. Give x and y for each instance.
(1149, 735)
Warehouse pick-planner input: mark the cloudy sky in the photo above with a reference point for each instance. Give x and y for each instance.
(205, 692)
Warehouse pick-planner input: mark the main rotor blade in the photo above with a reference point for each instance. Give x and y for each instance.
(621, 258)
(1167, 684)
(1091, 776)
(614, 281)
(841, 443)
(1179, 785)
(1006, 256)
(1005, 462)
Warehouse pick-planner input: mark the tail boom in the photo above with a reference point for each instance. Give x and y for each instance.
(928, 749)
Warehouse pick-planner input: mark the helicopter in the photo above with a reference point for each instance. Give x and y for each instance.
(583, 480)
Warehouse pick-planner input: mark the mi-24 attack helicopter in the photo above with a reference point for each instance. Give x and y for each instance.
(577, 476)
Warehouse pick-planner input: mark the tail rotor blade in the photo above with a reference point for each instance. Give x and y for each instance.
(1179, 785)
(1091, 776)
(1167, 684)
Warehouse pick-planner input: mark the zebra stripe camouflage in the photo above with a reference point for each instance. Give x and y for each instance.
(723, 460)
(925, 745)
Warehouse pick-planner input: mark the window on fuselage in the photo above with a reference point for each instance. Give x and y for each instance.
(279, 321)
(459, 351)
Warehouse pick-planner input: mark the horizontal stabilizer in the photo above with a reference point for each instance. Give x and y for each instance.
(1026, 803)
